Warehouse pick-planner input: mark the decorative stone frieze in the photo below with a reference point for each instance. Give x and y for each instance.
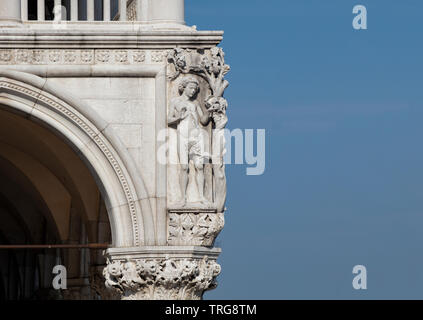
(166, 273)
(158, 56)
(74, 57)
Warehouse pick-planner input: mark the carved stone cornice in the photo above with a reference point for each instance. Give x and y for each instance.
(166, 273)
(85, 36)
(197, 227)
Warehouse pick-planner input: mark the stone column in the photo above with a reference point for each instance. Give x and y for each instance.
(161, 273)
(167, 11)
(10, 13)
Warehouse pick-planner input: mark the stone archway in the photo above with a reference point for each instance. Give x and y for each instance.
(126, 199)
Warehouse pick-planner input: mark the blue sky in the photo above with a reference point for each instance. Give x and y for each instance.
(343, 113)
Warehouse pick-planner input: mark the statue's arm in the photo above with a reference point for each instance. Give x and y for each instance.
(204, 116)
(222, 122)
(173, 117)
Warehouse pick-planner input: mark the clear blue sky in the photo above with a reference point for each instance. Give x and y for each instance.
(343, 111)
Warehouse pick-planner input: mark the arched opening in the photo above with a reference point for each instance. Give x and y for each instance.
(71, 169)
(47, 196)
(97, 145)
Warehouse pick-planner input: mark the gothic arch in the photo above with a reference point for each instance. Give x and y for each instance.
(127, 201)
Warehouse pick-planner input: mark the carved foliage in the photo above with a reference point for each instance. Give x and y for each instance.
(210, 67)
(198, 229)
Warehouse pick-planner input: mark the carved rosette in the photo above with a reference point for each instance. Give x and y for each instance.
(165, 278)
(196, 227)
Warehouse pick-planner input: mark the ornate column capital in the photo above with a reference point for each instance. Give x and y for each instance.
(161, 273)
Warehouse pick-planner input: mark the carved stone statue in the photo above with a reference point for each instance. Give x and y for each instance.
(217, 107)
(211, 67)
(187, 115)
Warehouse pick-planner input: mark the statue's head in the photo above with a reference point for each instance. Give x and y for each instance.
(216, 104)
(190, 86)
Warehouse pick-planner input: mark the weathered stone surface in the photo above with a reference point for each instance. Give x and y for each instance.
(206, 105)
(167, 273)
(194, 227)
(110, 90)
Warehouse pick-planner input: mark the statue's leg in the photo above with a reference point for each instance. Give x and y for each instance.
(183, 160)
(220, 186)
(199, 168)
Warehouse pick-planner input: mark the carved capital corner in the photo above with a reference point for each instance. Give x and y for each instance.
(161, 273)
(196, 227)
(98, 285)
